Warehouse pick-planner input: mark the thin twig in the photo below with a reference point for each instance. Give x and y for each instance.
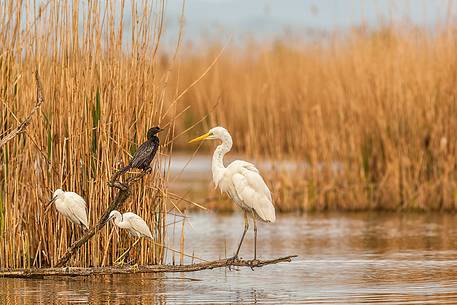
(23, 125)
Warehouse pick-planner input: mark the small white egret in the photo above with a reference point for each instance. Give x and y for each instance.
(133, 223)
(242, 182)
(72, 206)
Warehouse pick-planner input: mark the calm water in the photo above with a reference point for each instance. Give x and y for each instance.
(343, 259)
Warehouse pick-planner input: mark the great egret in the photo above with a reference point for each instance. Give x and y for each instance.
(71, 205)
(242, 182)
(145, 153)
(133, 223)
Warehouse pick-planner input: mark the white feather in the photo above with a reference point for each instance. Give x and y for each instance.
(252, 192)
(241, 180)
(133, 223)
(72, 206)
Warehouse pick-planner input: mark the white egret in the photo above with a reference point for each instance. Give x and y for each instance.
(72, 206)
(133, 223)
(242, 182)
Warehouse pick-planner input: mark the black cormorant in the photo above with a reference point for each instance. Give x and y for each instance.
(145, 153)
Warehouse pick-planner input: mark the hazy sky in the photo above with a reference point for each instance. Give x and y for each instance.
(269, 18)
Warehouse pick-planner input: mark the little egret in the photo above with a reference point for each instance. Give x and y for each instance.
(242, 182)
(72, 206)
(145, 153)
(133, 223)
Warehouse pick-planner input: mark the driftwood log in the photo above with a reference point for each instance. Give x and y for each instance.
(121, 197)
(78, 271)
(23, 125)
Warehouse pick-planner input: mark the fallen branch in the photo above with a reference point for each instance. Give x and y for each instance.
(23, 125)
(79, 271)
(121, 197)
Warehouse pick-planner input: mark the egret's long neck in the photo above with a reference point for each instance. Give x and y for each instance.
(119, 221)
(218, 167)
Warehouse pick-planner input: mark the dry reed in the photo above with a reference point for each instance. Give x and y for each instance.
(363, 121)
(368, 117)
(103, 91)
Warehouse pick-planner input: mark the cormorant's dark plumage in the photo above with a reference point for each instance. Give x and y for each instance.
(145, 153)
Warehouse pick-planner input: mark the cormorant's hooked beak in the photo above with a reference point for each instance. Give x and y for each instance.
(50, 202)
(200, 138)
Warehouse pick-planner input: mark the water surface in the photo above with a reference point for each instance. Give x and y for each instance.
(343, 259)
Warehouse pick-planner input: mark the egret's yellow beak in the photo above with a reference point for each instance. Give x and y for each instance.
(202, 137)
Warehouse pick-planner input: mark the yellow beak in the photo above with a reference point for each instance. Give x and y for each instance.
(202, 137)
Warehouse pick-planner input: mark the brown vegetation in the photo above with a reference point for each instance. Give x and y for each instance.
(100, 99)
(367, 120)
(370, 117)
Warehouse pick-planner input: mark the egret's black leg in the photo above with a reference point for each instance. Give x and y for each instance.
(72, 236)
(246, 227)
(255, 237)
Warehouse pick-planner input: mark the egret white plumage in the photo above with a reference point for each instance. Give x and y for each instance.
(72, 206)
(242, 182)
(133, 223)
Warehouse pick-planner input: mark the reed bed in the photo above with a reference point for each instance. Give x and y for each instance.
(361, 120)
(102, 92)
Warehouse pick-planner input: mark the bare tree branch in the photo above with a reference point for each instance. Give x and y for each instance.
(79, 271)
(23, 125)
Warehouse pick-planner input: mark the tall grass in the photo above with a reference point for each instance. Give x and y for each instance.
(367, 119)
(370, 117)
(102, 92)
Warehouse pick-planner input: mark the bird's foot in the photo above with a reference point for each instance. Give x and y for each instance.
(120, 263)
(84, 228)
(254, 263)
(114, 179)
(231, 261)
(135, 268)
(120, 185)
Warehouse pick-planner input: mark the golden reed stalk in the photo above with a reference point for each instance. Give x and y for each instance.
(369, 118)
(102, 92)
(363, 121)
